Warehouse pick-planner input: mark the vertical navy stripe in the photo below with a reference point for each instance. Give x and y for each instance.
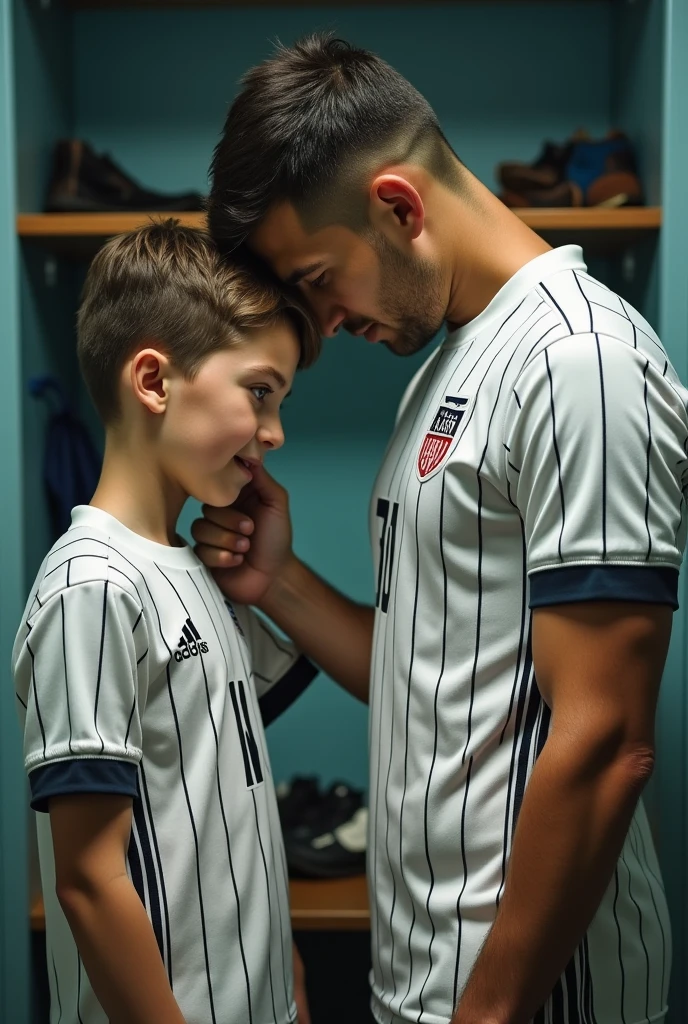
(138, 618)
(635, 333)
(645, 865)
(78, 988)
(647, 474)
(588, 986)
(522, 697)
(377, 695)
(403, 795)
(100, 666)
(267, 887)
(524, 757)
(556, 452)
(586, 299)
(642, 938)
(152, 890)
(566, 319)
(64, 661)
(604, 451)
(69, 569)
(57, 987)
(522, 632)
(543, 728)
(465, 879)
(148, 869)
(620, 952)
(556, 1002)
(35, 696)
(434, 748)
(478, 620)
(571, 981)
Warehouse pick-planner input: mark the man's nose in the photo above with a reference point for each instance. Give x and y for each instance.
(330, 316)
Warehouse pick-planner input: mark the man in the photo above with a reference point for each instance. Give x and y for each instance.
(527, 527)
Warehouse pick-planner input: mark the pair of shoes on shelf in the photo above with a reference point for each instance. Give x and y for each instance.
(84, 181)
(324, 831)
(580, 172)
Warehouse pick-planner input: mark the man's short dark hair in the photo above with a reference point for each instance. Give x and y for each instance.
(308, 125)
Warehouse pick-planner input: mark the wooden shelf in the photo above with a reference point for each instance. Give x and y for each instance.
(98, 4)
(335, 905)
(79, 235)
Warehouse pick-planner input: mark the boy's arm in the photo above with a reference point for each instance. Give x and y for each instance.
(112, 931)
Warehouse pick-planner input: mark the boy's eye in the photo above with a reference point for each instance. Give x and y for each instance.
(318, 281)
(261, 391)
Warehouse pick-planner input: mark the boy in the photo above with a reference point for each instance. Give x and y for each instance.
(165, 885)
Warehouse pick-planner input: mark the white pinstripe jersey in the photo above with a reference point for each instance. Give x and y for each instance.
(539, 458)
(134, 676)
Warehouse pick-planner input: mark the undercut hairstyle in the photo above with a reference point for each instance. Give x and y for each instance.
(167, 285)
(310, 126)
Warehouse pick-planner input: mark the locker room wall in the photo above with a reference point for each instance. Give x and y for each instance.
(151, 87)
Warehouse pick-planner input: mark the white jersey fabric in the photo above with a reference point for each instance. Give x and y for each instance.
(134, 676)
(539, 458)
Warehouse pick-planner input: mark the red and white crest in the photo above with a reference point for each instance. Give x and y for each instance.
(440, 437)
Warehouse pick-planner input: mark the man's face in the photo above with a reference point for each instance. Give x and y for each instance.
(361, 282)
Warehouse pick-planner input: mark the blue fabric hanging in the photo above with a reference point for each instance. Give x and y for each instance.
(71, 463)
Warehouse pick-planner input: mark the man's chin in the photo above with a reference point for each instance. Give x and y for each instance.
(405, 346)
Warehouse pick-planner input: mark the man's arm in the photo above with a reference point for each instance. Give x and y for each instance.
(333, 631)
(108, 921)
(248, 547)
(598, 667)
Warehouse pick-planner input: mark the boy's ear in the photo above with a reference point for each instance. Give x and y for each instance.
(150, 379)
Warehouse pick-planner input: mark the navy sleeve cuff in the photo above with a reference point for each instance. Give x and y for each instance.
(645, 584)
(85, 775)
(289, 688)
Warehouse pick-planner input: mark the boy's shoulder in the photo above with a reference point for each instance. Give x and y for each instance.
(83, 559)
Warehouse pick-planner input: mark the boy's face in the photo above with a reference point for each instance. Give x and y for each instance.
(221, 423)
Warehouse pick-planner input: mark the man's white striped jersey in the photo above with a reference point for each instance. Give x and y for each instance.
(134, 676)
(539, 458)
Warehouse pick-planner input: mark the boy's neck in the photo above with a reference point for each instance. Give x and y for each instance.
(133, 489)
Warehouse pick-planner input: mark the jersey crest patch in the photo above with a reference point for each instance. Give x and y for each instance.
(441, 435)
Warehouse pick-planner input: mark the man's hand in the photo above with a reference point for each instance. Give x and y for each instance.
(300, 997)
(247, 544)
(248, 548)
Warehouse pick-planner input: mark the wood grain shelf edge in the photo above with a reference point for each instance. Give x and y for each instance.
(102, 225)
(333, 905)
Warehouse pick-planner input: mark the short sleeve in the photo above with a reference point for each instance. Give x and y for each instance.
(280, 671)
(78, 672)
(595, 455)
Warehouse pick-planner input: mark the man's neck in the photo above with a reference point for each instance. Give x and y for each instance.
(133, 489)
(485, 244)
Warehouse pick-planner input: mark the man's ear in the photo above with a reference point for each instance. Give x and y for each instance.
(396, 208)
(150, 374)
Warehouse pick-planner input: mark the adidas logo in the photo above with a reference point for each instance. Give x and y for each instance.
(190, 644)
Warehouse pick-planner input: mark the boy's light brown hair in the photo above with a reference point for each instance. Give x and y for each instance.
(168, 284)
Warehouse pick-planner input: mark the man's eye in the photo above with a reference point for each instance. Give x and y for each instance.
(318, 281)
(261, 392)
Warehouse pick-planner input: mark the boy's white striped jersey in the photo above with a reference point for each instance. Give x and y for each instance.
(539, 458)
(135, 677)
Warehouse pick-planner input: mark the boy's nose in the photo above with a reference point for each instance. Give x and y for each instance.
(272, 436)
